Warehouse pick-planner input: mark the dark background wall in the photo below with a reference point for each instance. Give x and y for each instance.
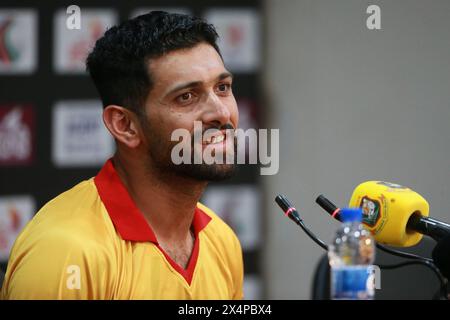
(41, 178)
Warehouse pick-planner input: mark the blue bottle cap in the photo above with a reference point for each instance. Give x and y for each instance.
(351, 214)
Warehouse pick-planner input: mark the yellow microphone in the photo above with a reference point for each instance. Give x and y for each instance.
(396, 215)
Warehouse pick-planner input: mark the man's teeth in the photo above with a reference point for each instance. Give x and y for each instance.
(216, 139)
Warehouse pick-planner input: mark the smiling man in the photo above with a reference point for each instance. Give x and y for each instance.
(136, 230)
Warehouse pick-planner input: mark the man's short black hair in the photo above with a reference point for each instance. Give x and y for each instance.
(118, 64)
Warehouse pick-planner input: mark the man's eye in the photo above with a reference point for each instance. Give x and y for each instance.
(224, 87)
(185, 97)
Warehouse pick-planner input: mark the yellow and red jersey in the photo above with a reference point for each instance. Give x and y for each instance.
(92, 242)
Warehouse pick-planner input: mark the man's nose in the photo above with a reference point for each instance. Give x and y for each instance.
(216, 112)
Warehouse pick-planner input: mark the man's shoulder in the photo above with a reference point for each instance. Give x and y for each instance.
(81, 195)
(72, 215)
(67, 237)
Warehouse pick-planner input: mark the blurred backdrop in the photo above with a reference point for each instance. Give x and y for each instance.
(351, 103)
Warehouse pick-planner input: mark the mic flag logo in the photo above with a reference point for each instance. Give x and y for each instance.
(371, 211)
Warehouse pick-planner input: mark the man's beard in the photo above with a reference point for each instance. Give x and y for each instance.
(160, 159)
(205, 172)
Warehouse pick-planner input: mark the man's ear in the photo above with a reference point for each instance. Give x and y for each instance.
(123, 125)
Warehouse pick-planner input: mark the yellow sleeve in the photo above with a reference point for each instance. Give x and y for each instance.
(238, 271)
(57, 265)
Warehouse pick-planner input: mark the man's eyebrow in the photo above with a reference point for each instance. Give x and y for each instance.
(192, 84)
(225, 75)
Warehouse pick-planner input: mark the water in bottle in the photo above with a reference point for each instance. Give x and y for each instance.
(351, 255)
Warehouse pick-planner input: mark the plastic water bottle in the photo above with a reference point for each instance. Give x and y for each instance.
(351, 255)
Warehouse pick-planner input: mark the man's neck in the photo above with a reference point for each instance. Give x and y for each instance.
(167, 204)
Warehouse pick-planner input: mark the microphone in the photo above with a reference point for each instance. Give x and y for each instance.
(441, 256)
(292, 213)
(328, 206)
(396, 215)
(288, 208)
(334, 211)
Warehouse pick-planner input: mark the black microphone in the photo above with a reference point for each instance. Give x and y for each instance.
(328, 206)
(293, 214)
(288, 208)
(433, 228)
(441, 256)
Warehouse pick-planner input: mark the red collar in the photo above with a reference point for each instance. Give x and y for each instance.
(126, 217)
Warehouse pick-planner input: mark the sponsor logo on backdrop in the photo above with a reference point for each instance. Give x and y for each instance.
(18, 39)
(15, 212)
(239, 37)
(239, 206)
(72, 46)
(17, 130)
(79, 135)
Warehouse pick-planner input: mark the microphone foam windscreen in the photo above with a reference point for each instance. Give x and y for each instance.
(387, 208)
